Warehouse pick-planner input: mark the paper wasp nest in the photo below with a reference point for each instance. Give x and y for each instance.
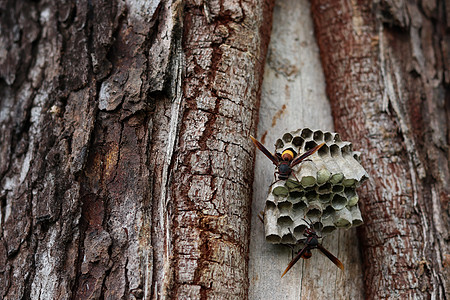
(325, 192)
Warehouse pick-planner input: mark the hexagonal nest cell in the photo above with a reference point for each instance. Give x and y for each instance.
(325, 193)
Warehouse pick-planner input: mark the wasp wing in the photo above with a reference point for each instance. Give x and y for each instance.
(295, 259)
(263, 149)
(333, 258)
(300, 158)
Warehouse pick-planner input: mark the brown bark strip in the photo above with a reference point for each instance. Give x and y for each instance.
(225, 44)
(386, 86)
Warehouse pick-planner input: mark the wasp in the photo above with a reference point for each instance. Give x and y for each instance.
(286, 161)
(312, 242)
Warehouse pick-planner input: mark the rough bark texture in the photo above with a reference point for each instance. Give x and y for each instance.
(294, 97)
(225, 45)
(386, 67)
(97, 198)
(74, 176)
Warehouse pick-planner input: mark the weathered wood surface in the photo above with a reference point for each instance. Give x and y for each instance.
(386, 68)
(294, 97)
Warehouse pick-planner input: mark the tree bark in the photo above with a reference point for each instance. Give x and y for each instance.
(386, 72)
(119, 178)
(225, 45)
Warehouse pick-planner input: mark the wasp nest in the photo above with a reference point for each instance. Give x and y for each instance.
(325, 192)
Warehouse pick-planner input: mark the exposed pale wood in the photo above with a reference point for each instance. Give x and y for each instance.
(294, 97)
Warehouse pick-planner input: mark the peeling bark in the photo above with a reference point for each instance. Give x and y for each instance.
(388, 86)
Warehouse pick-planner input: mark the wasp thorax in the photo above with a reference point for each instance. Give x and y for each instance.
(284, 171)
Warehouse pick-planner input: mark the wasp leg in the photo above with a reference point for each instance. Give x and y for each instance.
(261, 216)
(292, 247)
(274, 182)
(293, 174)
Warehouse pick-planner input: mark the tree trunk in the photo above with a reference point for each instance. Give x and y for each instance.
(225, 45)
(386, 68)
(120, 178)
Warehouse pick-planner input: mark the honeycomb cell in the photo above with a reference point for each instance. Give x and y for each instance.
(324, 151)
(346, 148)
(323, 176)
(280, 191)
(296, 193)
(285, 221)
(285, 208)
(357, 156)
(335, 151)
(348, 182)
(270, 204)
(306, 133)
(288, 238)
(279, 144)
(298, 218)
(329, 211)
(293, 184)
(307, 174)
(299, 229)
(287, 137)
(343, 218)
(336, 178)
(337, 188)
(298, 141)
(352, 196)
(325, 198)
(339, 201)
(337, 138)
(314, 209)
(310, 144)
(356, 215)
(273, 238)
(300, 206)
(328, 225)
(318, 135)
(271, 227)
(324, 189)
